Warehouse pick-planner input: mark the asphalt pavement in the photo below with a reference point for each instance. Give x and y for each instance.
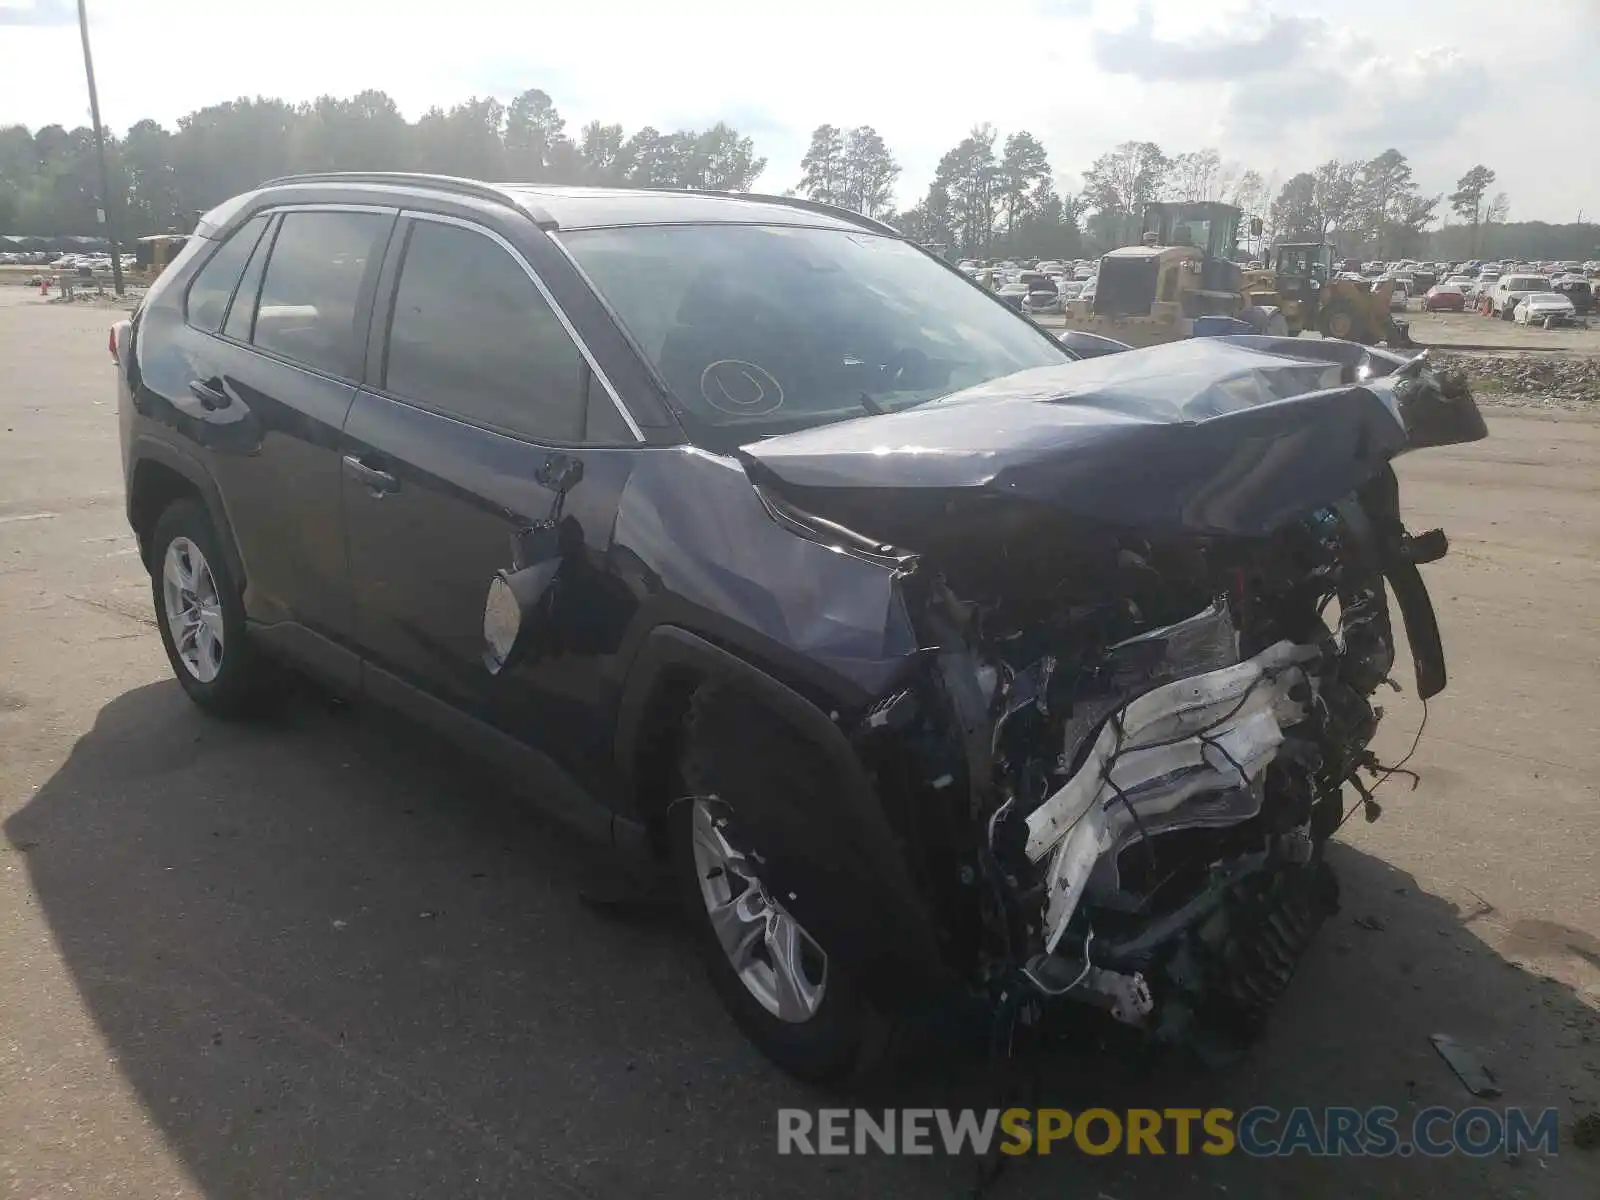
(325, 956)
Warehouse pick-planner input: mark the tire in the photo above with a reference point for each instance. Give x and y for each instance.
(226, 676)
(1268, 321)
(725, 738)
(1337, 316)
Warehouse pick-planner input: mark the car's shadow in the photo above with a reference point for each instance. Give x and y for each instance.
(336, 960)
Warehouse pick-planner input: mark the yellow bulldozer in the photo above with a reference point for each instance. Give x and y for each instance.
(1183, 272)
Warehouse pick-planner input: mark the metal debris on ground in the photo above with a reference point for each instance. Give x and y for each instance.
(1465, 1063)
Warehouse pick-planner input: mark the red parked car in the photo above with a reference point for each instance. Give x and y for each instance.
(1444, 297)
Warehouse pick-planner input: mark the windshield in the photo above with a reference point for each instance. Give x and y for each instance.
(1548, 298)
(766, 329)
(1294, 260)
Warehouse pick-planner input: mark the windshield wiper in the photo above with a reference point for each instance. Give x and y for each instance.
(871, 405)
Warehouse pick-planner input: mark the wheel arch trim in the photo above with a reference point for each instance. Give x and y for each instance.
(908, 931)
(154, 450)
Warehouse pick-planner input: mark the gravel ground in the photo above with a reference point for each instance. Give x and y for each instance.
(1548, 383)
(325, 957)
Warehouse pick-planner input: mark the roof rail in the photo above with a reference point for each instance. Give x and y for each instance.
(816, 206)
(476, 189)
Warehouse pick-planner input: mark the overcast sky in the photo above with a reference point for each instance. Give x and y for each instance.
(1274, 84)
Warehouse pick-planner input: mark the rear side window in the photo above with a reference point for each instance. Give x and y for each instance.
(472, 336)
(242, 312)
(208, 294)
(311, 308)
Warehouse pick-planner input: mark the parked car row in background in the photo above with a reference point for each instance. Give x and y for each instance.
(1040, 289)
(1498, 289)
(1486, 287)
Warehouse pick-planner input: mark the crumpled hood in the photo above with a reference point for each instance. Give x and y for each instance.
(1210, 435)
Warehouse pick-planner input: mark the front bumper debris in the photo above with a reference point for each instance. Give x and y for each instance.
(1206, 739)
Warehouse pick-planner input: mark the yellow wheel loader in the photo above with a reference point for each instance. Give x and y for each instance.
(1183, 272)
(1310, 294)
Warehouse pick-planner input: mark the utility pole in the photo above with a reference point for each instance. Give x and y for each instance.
(100, 153)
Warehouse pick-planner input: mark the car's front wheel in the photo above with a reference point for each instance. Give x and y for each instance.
(775, 979)
(201, 615)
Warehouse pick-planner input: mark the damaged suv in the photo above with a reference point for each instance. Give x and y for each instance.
(931, 659)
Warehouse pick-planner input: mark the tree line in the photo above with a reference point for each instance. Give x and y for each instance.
(990, 196)
(161, 178)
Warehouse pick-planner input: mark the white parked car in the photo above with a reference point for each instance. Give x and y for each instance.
(1510, 290)
(1546, 308)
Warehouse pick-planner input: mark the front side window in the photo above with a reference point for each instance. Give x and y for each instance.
(763, 329)
(209, 293)
(473, 336)
(311, 308)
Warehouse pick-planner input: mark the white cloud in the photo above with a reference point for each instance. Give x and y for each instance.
(37, 12)
(1240, 50)
(1278, 84)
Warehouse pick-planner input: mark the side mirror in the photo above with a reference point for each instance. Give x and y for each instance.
(560, 473)
(513, 595)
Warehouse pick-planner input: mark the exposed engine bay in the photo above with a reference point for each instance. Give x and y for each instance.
(1129, 735)
(1157, 794)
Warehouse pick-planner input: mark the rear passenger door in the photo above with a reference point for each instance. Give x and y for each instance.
(479, 399)
(274, 390)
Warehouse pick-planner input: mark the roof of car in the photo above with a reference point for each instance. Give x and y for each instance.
(576, 207)
(564, 206)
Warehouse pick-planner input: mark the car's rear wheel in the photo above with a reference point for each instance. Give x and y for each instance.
(775, 979)
(201, 615)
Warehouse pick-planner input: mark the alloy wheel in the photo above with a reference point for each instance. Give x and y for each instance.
(776, 960)
(193, 609)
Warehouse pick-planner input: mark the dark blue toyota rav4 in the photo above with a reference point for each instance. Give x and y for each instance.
(927, 658)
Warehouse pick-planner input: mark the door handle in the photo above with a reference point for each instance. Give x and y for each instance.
(210, 398)
(380, 483)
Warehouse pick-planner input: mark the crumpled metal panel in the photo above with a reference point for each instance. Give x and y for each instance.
(1205, 436)
(1207, 733)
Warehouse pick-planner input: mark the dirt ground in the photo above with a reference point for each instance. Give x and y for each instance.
(1461, 331)
(323, 956)
(1469, 331)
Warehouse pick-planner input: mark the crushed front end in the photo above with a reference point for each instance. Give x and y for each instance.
(1153, 796)
(1117, 761)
